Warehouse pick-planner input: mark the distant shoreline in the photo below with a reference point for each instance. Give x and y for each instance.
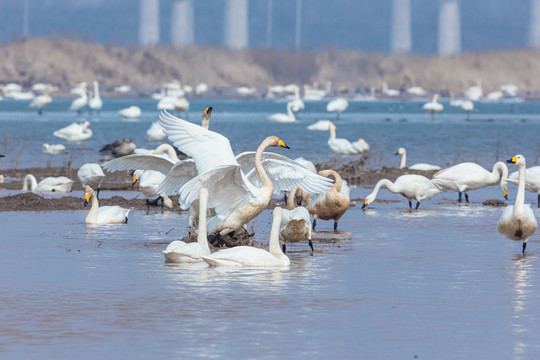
(65, 62)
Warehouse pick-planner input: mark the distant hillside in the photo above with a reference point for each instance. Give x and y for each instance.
(65, 62)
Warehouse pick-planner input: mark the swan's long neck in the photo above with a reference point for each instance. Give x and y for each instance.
(33, 182)
(96, 90)
(274, 247)
(289, 111)
(434, 99)
(93, 213)
(384, 182)
(403, 163)
(337, 178)
(205, 123)
(502, 175)
(169, 149)
(201, 235)
(332, 132)
(296, 192)
(296, 92)
(266, 182)
(520, 197)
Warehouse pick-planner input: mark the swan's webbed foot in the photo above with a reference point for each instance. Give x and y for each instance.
(314, 224)
(417, 205)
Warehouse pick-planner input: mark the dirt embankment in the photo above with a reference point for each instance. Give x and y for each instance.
(65, 62)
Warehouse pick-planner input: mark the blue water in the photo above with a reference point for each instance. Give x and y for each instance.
(435, 283)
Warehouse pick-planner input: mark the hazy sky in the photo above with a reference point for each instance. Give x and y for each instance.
(356, 24)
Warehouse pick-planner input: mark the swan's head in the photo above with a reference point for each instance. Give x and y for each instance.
(167, 202)
(277, 142)
(519, 160)
(307, 197)
(400, 151)
(87, 193)
(369, 199)
(45, 147)
(207, 112)
(436, 96)
(136, 176)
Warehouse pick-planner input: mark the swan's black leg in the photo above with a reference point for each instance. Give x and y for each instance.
(459, 197)
(410, 204)
(147, 205)
(215, 239)
(417, 205)
(466, 198)
(97, 194)
(162, 200)
(314, 223)
(524, 246)
(539, 200)
(335, 226)
(310, 243)
(283, 248)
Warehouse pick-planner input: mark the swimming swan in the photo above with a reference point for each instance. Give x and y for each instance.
(331, 204)
(295, 222)
(91, 174)
(235, 196)
(155, 133)
(339, 146)
(518, 222)
(53, 149)
(181, 252)
(49, 184)
(532, 180)
(361, 145)
(105, 214)
(74, 132)
(420, 166)
(130, 112)
(247, 256)
(416, 187)
(289, 117)
(468, 176)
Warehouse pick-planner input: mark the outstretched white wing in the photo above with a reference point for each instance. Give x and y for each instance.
(207, 148)
(181, 173)
(247, 159)
(284, 175)
(140, 162)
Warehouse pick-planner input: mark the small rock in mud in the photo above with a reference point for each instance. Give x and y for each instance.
(494, 202)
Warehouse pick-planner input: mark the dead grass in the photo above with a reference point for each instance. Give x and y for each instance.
(64, 62)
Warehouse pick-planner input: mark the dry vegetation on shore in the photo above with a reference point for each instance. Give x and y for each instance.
(64, 62)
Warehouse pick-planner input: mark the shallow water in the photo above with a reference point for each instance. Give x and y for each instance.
(435, 283)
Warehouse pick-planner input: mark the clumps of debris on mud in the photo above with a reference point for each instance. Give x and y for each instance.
(494, 202)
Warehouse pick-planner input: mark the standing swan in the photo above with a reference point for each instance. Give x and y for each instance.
(338, 106)
(332, 204)
(416, 187)
(433, 106)
(96, 103)
(247, 256)
(470, 176)
(420, 166)
(105, 214)
(295, 223)
(518, 222)
(181, 252)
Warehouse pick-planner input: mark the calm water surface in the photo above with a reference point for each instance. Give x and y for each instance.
(435, 283)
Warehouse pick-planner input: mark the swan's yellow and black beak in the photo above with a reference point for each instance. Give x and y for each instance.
(208, 110)
(512, 160)
(397, 153)
(299, 202)
(505, 194)
(282, 144)
(365, 204)
(86, 199)
(134, 181)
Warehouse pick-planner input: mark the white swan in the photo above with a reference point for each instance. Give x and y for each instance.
(289, 117)
(331, 204)
(454, 101)
(338, 145)
(149, 181)
(420, 166)
(95, 103)
(323, 125)
(416, 187)
(130, 112)
(295, 223)
(532, 180)
(297, 102)
(181, 252)
(181, 104)
(307, 164)
(361, 145)
(468, 176)
(53, 149)
(467, 107)
(105, 214)
(75, 132)
(247, 256)
(234, 195)
(79, 103)
(40, 102)
(433, 106)
(338, 106)
(475, 92)
(49, 184)
(518, 222)
(155, 133)
(389, 92)
(91, 174)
